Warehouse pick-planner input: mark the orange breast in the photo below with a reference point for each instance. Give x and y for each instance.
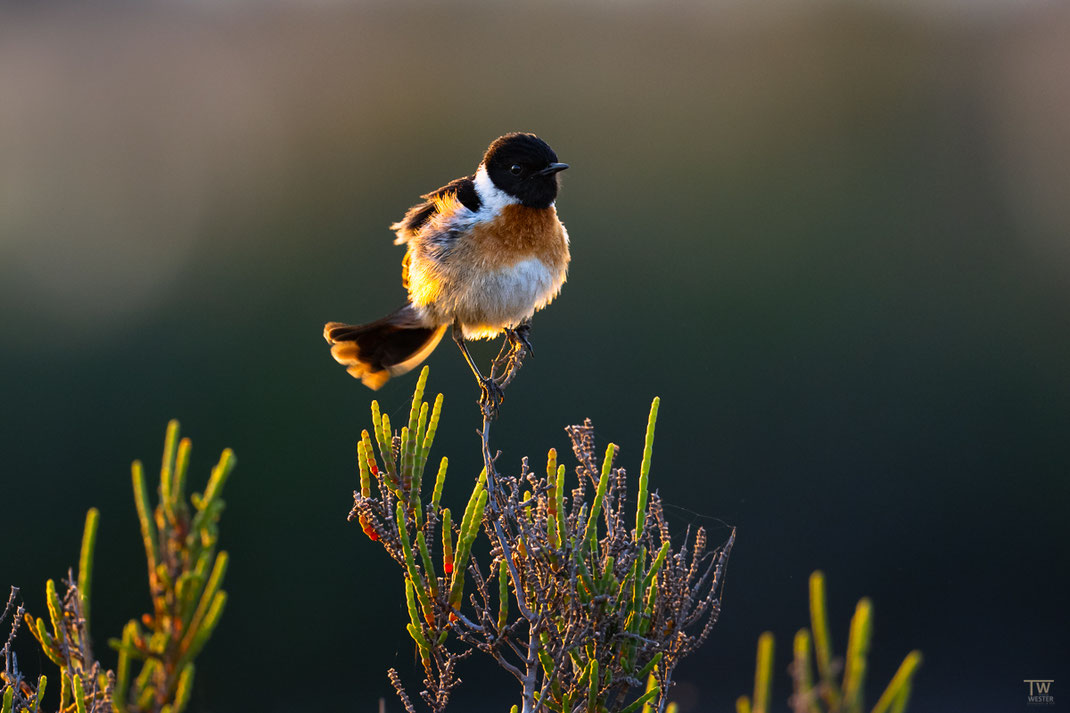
(520, 233)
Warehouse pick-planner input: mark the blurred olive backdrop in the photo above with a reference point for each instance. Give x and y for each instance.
(833, 237)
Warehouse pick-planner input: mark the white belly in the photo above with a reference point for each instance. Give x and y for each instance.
(507, 297)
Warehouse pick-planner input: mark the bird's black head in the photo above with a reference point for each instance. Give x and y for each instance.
(524, 166)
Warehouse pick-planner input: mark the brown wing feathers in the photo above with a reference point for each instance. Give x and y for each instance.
(387, 347)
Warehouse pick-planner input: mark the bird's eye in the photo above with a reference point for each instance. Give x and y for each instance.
(515, 169)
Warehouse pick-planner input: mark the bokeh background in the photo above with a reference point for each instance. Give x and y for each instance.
(834, 237)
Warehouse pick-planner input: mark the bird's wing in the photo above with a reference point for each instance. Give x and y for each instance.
(463, 189)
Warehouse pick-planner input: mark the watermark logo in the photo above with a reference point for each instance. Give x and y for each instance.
(1040, 692)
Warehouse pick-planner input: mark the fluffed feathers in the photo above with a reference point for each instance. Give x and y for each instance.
(461, 189)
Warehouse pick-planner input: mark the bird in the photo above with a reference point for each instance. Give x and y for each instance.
(484, 253)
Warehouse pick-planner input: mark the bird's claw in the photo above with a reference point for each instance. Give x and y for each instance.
(491, 397)
(521, 333)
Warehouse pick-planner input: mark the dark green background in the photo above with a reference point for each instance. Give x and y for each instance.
(833, 239)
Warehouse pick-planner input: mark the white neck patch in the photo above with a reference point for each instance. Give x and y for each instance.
(492, 197)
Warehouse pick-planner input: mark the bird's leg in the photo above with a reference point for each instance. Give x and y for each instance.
(458, 337)
(521, 333)
(501, 361)
(491, 395)
(516, 339)
(511, 357)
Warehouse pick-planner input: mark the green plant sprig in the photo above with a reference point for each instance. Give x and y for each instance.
(186, 574)
(829, 694)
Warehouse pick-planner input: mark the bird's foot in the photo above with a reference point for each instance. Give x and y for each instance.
(491, 397)
(521, 334)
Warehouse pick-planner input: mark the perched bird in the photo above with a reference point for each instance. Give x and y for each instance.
(485, 252)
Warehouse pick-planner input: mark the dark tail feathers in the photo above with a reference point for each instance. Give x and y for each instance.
(388, 347)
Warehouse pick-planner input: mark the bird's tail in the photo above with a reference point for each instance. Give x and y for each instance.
(388, 347)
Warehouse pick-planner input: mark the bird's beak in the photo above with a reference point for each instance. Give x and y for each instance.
(551, 169)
